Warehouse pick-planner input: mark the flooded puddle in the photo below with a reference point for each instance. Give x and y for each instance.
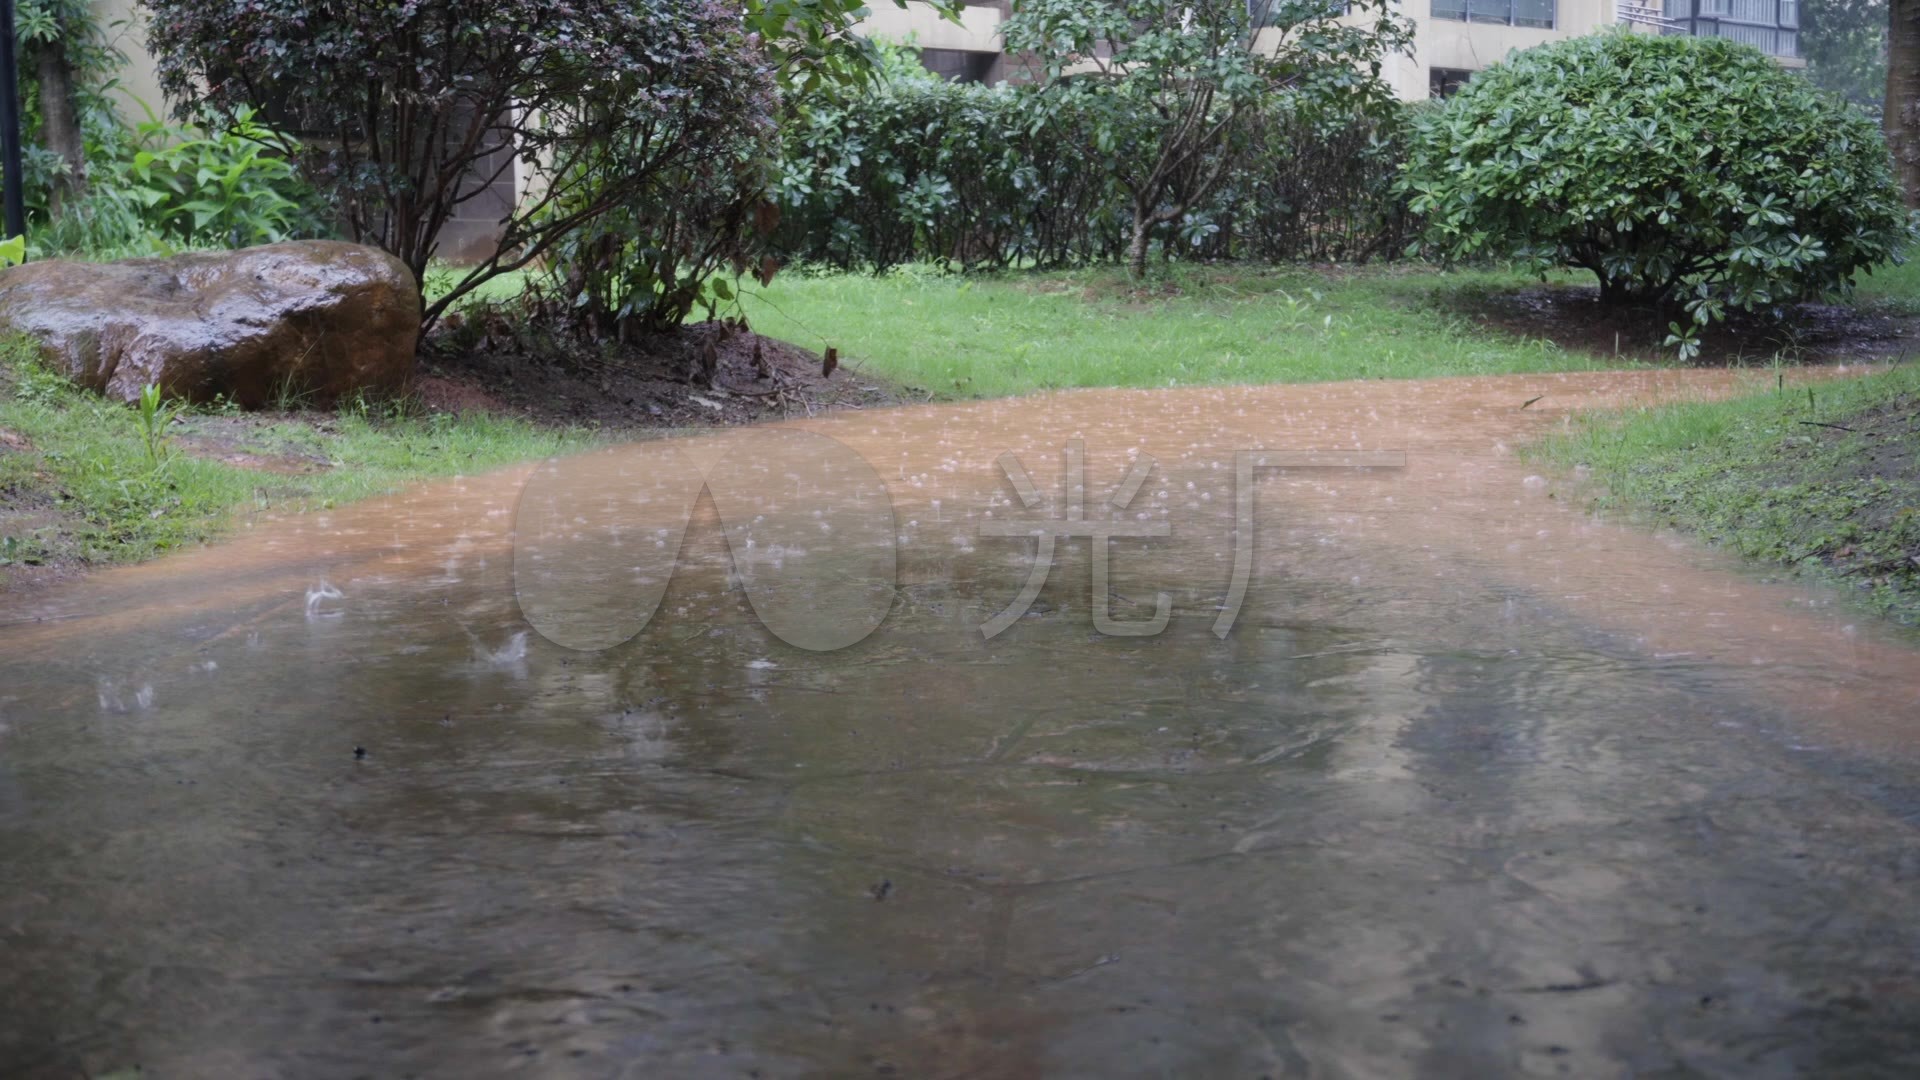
(742, 755)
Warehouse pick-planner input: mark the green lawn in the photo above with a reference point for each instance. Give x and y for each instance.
(1893, 288)
(1015, 334)
(1825, 480)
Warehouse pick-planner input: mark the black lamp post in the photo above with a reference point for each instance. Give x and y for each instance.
(16, 212)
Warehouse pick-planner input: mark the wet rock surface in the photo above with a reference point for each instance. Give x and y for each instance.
(314, 320)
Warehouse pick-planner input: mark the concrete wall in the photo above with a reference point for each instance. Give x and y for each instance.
(978, 34)
(978, 30)
(1471, 46)
(124, 22)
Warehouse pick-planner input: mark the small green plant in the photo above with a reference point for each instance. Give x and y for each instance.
(155, 415)
(235, 184)
(13, 251)
(157, 188)
(290, 395)
(221, 405)
(15, 551)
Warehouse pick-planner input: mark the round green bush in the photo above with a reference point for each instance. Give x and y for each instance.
(1684, 170)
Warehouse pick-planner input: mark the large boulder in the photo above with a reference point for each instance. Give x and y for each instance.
(314, 319)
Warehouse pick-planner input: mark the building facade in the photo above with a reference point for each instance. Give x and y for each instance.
(971, 51)
(1452, 39)
(1455, 38)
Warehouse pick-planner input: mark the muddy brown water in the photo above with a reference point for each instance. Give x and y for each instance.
(1473, 785)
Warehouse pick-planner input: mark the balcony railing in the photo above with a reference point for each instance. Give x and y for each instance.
(1769, 25)
(1755, 12)
(1770, 40)
(1762, 12)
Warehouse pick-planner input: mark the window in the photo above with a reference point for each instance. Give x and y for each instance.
(1446, 82)
(1535, 13)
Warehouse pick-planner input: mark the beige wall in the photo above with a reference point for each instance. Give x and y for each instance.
(1447, 43)
(124, 22)
(978, 30)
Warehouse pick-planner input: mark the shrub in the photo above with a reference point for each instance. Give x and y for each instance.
(1312, 182)
(164, 187)
(945, 172)
(1679, 170)
(972, 176)
(65, 70)
(650, 261)
(1163, 86)
(413, 107)
(235, 185)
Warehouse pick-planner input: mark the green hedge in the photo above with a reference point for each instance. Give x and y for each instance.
(972, 176)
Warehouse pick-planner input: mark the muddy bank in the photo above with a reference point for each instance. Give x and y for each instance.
(1824, 484)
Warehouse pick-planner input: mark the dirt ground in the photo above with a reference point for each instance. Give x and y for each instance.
(653, 382)
(710, 375)
(1572, 317)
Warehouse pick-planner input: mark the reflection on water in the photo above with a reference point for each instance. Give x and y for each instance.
(1475, 785)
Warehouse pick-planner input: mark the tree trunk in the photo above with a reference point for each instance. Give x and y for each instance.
(1143, 232)
(1901, 118)
(60, 124)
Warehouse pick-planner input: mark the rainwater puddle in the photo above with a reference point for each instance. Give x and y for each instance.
(738, 755)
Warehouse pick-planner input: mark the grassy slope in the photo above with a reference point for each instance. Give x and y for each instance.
(1895, 289)
(988, 337)
(1762, 476)
(77, 484)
